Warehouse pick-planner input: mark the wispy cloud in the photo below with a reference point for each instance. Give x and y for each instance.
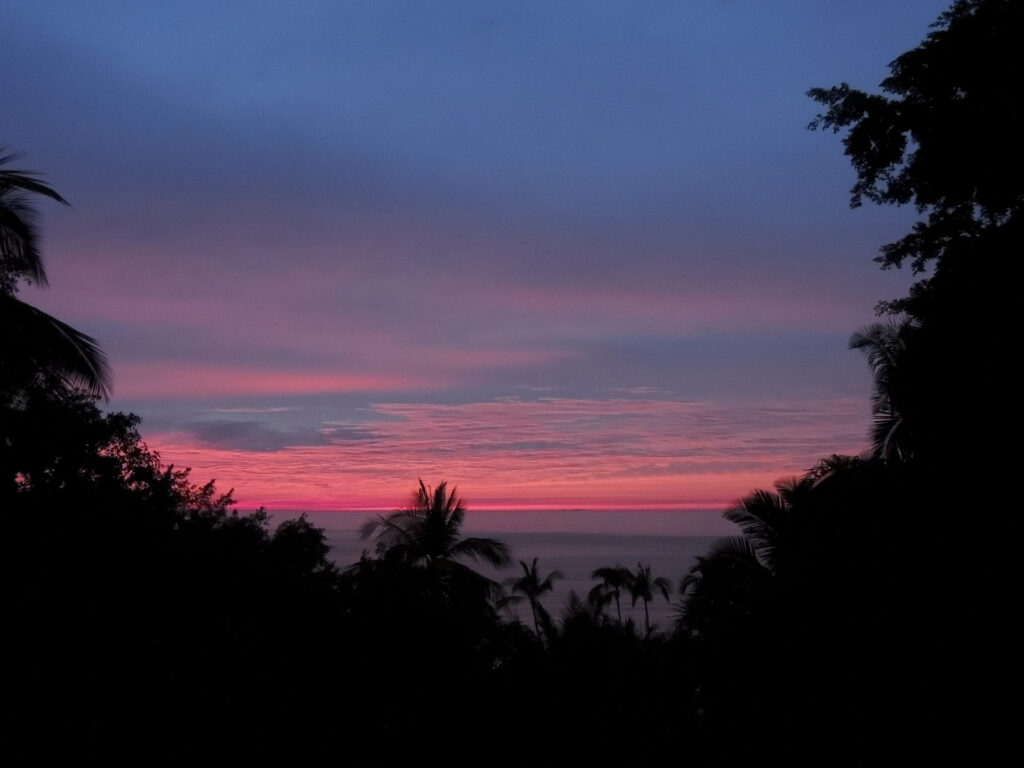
(255, 409)
(558, 452)
(257, 436)
(253, 436)
(152, 380)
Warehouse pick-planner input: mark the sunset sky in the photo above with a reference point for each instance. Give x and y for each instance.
(576, 255)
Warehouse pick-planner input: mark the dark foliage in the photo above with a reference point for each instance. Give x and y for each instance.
(33, 343)
(145, 617)
(861, 619)
(945, 136)
(20, 258)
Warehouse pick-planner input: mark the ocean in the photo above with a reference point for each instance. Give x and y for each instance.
(574, 542)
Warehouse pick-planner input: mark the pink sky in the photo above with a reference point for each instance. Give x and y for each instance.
(547, 453)
(577, 255)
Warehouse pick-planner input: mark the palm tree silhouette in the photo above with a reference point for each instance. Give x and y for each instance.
(427, 534)
(768, 519)
(642, 586)
(531, 587)
(740, 572)
(885, 346)
(613, 581)
(722, 586)
(19, 236)
(34, 343)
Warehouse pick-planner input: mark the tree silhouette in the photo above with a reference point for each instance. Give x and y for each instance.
(173, 599)
(945, 136)
(19, 235)
(738, 574)
(531, 587)
(34, 343)
(722, 589)
(769, 520)
(427, 533)
(886, 347)
(642, 586)
(614, 579)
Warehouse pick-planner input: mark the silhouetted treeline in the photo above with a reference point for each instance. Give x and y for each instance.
(146, 618)
(149, 621)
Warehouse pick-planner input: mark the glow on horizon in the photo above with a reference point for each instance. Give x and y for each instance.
(541, 454)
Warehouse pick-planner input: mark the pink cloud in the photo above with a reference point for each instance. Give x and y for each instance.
(555, 453)
(146, 380)
(434, 368)
(676, 309)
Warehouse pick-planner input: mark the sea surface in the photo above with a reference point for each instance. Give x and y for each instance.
(574, 542)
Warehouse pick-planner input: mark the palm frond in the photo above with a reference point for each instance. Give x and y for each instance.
(726, 579)
(886, 430)
(578, 610)
(40, 342)
(19, 235)
(549, 583)
(764, 516)
(615, 576)
(599, 596)
(664, 586)
(25, 180)
(477, 548)
(878, 342)
(885, 348)
(465, 577)
(530, 583)
(729, 553)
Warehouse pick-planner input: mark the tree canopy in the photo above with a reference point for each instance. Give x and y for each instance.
(944, 134)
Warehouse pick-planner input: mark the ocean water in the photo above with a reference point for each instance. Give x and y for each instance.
(573, 542)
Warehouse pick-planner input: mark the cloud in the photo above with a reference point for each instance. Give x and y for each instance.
(261, 437)
(256, 409)
(623, 453)
(143, 380)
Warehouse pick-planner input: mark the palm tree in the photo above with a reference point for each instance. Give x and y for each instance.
(642, 586)
(768, 519)
(531, 587)
(723, 587)
(613, 581)
(19, 236)
(427, 534)
(740, 572)
(885, 347)
(33, 343)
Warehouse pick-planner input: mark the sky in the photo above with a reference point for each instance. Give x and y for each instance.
(563, 255)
